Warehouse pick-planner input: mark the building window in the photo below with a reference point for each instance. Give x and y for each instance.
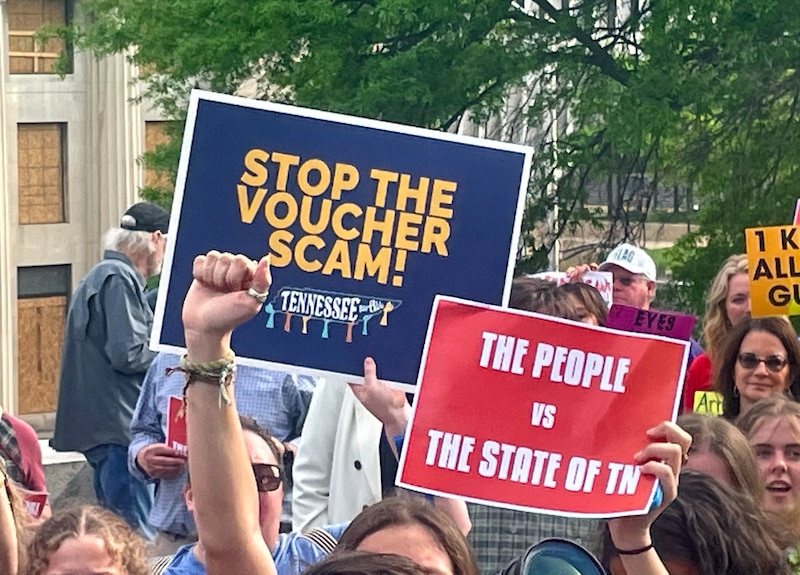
(154, 135)
(41, 161)
(25, 17)
(42, 299)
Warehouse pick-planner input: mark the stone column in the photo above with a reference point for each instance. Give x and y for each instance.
(8, 291)
(115, 142)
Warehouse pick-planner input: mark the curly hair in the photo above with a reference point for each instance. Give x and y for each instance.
(717, 531)
(724, 383)
(400, 511)
(122, 544)
(716, 323)
(720, 437)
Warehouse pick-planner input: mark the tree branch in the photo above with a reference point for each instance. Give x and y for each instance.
(598, 56)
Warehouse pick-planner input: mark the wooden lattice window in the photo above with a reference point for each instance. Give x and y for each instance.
(41, 315)
(25, 17)
(41, 160)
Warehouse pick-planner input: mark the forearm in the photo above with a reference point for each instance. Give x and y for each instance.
(9, 544)
(647, 563)
(223, 486)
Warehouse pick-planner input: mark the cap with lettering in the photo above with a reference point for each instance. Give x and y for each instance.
(145, 217)
(633, 259)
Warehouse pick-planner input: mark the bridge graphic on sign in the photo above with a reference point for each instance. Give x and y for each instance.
(328, 308)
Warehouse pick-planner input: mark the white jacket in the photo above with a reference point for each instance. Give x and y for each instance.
(337, 469)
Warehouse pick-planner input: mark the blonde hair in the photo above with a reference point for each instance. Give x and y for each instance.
(716, 323)
(720, 437)
(123, 546)
(775, 406)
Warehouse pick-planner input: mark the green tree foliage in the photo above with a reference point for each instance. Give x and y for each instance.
(698, 94)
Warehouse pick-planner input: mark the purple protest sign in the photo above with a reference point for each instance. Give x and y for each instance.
(652, 321)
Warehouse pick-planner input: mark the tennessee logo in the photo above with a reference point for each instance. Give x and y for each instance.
(307, 305)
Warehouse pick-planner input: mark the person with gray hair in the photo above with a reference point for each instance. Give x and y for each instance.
(105, 357)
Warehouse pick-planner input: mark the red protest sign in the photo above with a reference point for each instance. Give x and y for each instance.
(522, 411)
(176, 425)
(35, 502)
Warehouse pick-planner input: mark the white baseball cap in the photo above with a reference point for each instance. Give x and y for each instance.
(633, 259)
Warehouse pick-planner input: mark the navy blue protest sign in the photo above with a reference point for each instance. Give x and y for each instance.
(365, 221)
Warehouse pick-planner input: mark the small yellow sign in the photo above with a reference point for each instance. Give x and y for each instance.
(707, 403)
(773, 260)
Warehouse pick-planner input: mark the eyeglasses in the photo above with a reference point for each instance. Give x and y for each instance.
(268, 476)
(626, 280)
(774, 363)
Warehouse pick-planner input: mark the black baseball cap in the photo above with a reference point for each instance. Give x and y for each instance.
(145, 217)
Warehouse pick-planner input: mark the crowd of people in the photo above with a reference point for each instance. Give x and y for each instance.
(284, 474)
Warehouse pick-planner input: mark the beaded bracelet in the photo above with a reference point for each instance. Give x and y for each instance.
(219, 372)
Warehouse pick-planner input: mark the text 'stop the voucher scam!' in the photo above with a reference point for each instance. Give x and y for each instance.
(365, 221)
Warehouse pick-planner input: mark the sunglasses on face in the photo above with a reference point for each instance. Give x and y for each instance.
(774, 363)
(626, 280)
(268, 476)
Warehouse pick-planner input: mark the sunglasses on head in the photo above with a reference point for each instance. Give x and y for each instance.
(774, 363)
(268, 476)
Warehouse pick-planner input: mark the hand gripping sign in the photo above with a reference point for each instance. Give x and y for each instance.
(530, 412)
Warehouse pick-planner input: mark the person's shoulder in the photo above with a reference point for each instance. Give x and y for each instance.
(336, 529)
(19, 425)
(701, 362)
(309, 545)
(23, 431)
(106, 270)
(182, 563)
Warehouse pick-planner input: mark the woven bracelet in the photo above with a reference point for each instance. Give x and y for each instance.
(219, 372)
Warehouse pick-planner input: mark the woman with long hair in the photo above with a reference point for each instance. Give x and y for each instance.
(773, 429)
(761, 357)
(719, 449)
(727, 302)
(711, 530)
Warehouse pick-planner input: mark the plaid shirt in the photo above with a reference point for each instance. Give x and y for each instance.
(277, 400)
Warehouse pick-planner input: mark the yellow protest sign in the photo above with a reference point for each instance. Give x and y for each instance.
(707, 403)
(773, 260)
